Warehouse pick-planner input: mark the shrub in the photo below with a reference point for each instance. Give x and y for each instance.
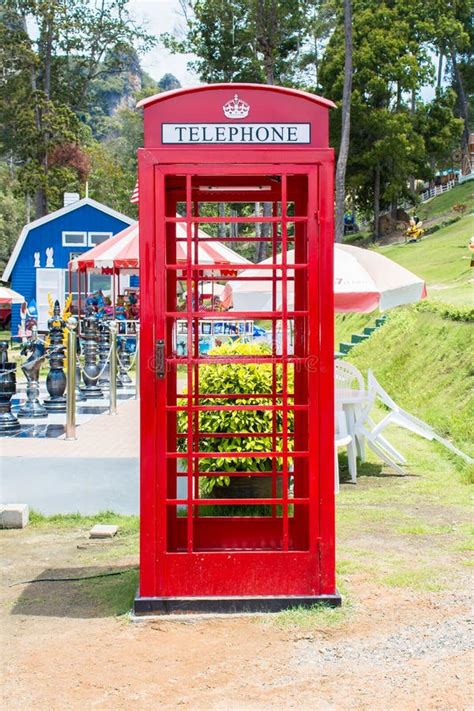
(233, 378)
(446, 311)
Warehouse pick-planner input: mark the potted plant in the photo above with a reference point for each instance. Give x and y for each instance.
(235, 378)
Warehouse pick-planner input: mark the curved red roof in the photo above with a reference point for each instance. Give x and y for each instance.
(163, 96)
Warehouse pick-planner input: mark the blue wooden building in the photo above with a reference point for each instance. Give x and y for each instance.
(38, 265)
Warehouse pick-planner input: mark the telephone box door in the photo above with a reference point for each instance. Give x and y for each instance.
(235, 509)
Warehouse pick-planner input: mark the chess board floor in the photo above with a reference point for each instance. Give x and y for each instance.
(53, 425)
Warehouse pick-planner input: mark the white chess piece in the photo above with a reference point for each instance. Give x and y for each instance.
(37, 260)
(49, 257)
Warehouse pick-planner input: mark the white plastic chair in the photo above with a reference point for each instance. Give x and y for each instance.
(402, 418)
(346, 375)
(367, 431)
(344, 440)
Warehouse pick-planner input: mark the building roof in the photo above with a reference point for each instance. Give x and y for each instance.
(53, 216)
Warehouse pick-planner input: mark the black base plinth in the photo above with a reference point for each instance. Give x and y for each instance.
(55, 404)
(80, 397)
(9, 425)
(144, 606)
(32, 409)
(92, 393)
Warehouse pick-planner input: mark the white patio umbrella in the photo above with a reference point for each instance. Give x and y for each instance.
(8, 296)
(121, 252)
(363, 281)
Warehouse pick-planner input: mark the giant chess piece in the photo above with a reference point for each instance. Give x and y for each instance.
(91, 367)
(31, 368)
(9, 424)
(104, 350)
(56, 378)
(123, 378)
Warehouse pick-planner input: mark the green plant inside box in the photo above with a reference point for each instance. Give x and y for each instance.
(233, 379)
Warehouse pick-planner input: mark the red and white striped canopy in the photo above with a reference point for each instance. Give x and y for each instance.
(122, 252)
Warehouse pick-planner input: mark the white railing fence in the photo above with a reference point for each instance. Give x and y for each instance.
(437, 190)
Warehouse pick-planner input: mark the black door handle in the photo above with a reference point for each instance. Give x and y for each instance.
(160, 359)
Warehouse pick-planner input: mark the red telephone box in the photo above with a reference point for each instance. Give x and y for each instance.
(247, 165)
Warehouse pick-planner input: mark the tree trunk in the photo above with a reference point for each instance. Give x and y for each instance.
(39, 196)
(462, 99)
(376, 203)
(440, 70)
(265, 231)
(221, 226)
(346, 124)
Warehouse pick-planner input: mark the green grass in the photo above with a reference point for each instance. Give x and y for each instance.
(110, 596)
(425, 578)
(347, 324)
(313, 618)
(443, 204)
(128, 525)
(423, 529)
(425, 363)
(442, 259)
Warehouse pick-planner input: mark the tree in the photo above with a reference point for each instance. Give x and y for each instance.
(452, 32)
(60, 47)
(13, 214)
(255, 41)
(320, 22)
(222, 36)
(391, 62)
(346, 123)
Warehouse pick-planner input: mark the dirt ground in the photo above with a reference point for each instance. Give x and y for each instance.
(64, 647)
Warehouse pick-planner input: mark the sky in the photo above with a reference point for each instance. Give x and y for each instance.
(160, 16)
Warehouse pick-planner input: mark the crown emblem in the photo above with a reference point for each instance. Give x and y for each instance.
(236, 108)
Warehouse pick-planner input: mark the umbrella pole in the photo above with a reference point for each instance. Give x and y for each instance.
(79, 280)
(113, 291)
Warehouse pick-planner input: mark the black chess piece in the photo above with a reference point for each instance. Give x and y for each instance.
(32, 406)
(56, 378)
(91, 369)
(9, 424)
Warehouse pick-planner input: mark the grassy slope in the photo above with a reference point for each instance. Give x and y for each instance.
(442, 259)
(423, 361)
(443, 204)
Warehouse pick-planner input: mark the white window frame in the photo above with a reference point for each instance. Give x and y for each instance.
(74, 244)
(107, 235)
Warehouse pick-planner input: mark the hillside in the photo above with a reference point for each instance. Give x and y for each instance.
(424, 362)
(442, 259)
(422, 356)
(442, 206)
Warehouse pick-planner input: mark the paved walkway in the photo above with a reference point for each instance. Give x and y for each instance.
(101, 437)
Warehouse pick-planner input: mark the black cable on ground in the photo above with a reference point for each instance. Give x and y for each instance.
(67, 580)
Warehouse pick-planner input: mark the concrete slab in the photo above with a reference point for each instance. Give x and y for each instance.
(103, 530)
(14, 515)
(98, 471)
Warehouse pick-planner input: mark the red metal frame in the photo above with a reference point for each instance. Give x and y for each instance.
(186, 553)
